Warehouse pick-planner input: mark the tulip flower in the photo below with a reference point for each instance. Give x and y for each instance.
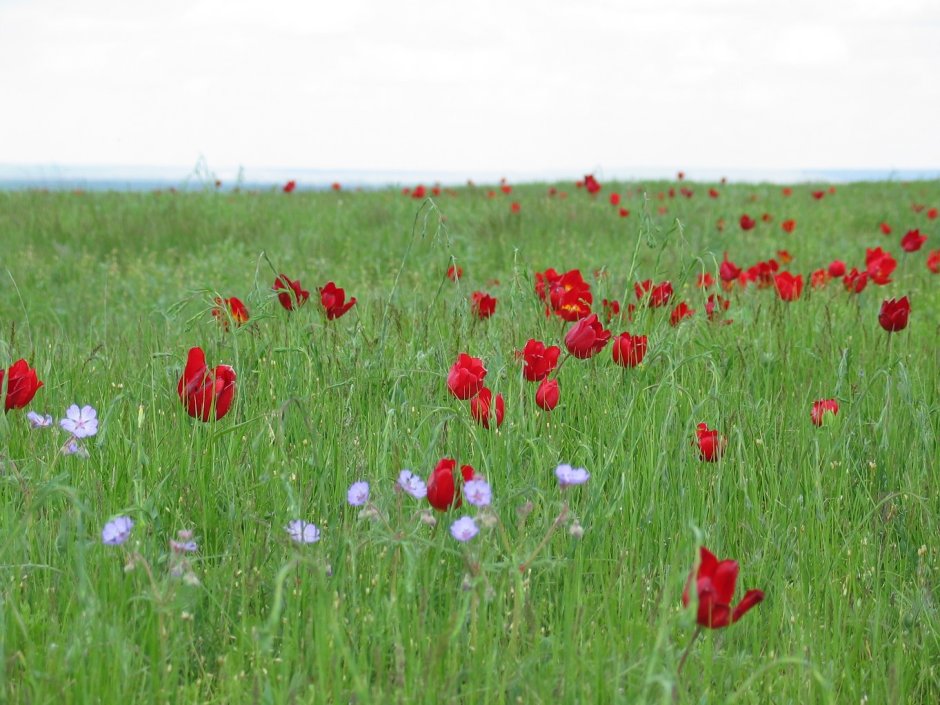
(465, 378)
(659, 294)
(21, 385)
(334, 301)
(629, 350)
(483, 408)
(454, 272)
(237, 310)
(591, 184)
(206, 393)
(821, 408)
(293, 296)
(679, 312)
(715, 305)
(836, 268)
(586, 338)
(710, 444)
(788, 226)
(728, 271)
(894, 313)
(747, 222)
(855, 281)
(913, 241)
(885, 229)
(539, 360)
(714, 586)
(933, 261)
(547, 395)
(483, 304)
(788, 287)
(879, 265)
(442, 490)
(289, 186)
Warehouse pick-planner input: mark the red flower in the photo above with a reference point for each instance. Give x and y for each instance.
(820, 408)
(336, 186)
(818, 194)
(747, 222)
(894, 313)
(624, 212)
(206, 393)
(680, 175)
(539, 360)
(570, 296)
(514, 207)
(687, 192)
(22, 385)
(714, 586)
(786, 191)
(711, 446)
(715, 304)
(419, 192)
(933, 261)
(615, 199)
(788, 226)
(705, 281)
(659, 294)
(855, 281)
(933, 213)
(288, 301)
(836, 268)
(885, 229)
(913, 241)
(466, 376)
(728, 271)
(544, 282)
(819, 278)
(235, 307)
(611, 309)
(713, 193)
(679, 312)
(767, 217)
(587, 337)
(454, 272)
(546, 396)
(482, 408)
(334, 301)
(788, 287)
(879, 265)
(484, 305)
(435, 190)
(784, 256)
(720, 224)
(629, 350)
(591, 184)
(289, 186)
(506, 189)
(443, 492)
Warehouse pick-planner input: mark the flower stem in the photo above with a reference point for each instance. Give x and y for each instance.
(688, 649)
(551, 530)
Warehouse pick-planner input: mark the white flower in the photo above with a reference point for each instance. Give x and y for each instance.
(117, 531)
(358, 494)
(302, 532)
(568, 475)
(412, 484)
(81, 423)
(478, 492)
(464, 529)
(38, 420)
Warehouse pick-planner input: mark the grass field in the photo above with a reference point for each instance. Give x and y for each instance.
(104, 294)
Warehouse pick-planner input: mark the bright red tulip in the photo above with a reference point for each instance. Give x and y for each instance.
(443, 492)
(21, 383)
(728, 271)
(788, 287)
(591, 184)
(711, 445)
(713, 193)
(933, 261)
(821, 408)
(894, 313)
(611, 309)
(819, 278)
(615, 199)
(465, 378)
(454, 272)
(587, 337)
(334, 301)
(539, 360)
(235, 307)
(933, 213)
(747, 222)
(570, 296)
(913, 241)
(786, 191)
(818, 195)
(624, 212)
(336, 186)
(705, 281)
(293, 295)
(836, 268)
(629, 350)
(484, 407)
(879, 264)
(788, 226)
(659, 294)
(546, 396)
(419, 192)
(679, 312)
(885, 229)
(206, 393)
(855, 281)
(290, 186)
(484, 305)
(714, 585)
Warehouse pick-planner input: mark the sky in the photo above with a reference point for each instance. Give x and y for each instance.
(514, 86)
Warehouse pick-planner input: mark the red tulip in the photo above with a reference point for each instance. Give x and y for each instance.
(933, 213)
(236, 309)
(894, 313)
(747, 222)
(821, 408)
(288, 301)
(728, 271)
(611, 309)
(514, 207)
(711, 446)
(918, 207)
(788, 287)
(879, 264)
(466, 376)
(913, 241)
(715, 305)
(836, 268)
(546, 396)
(615, 199)
(539, 360)
(679, 312)
(454, 272)
(22, 385)
(586, 338)
(855, 281)
(484, 305)
(482, 408)
(624, 212)
(443, 492)
(819, 278)
(687, 192)
(419, 192)
(206, 393)
(659, 294)
(933, 261)
(506, 189)
(714, 585)
(786, 191)
(788, 226)
(591, 184)
(818, 195)
(336, 186)
(680, 175)
(713, 193)
(767, 218)
(570, 296)
(705, 281)
(629, 350)
(885, 229)
(785, 257)
(334, 301)
(290, 186)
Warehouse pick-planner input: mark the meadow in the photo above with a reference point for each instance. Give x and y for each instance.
(569, 591)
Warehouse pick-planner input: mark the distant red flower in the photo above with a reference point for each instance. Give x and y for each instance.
(785, 257)
(466, 376)
(679, 312)
(569, 295)
(289, 186)
(747, 222)
(629, 350)
(836, 268)
(788, 287)
(539, 360)
(687, 192)
(879, 264)
(22, 385)
(591, 184)
(894, 313)
(547, 395)
(491, 194)
(435, 190)
(443, 492)
(821, 408)
(788, 226)
(615, 199)
(818, 195)
(624, 212)
(714, 586)
(713, 193)
(855, 281)
(767, 218)
(659, 294)
(885, 229)
(484, 305)
(611, 309)
(932, 213)
(334, 301)
(484, 408)
(544, 281)
(705, 281)
(819, 278)
(680, 175)
(586, 338)
(711, 445)
(293, 295)
(336, 186)
(715, 306)
(206, 393)
(786, 191)
(933, 261)
(514, 207)
(913, 241)
(831, 190)
(454, 272)
(235, 307)
(728, 270)
(419, 192)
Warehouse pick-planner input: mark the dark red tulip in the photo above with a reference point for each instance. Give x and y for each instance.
(711, 445)
(821, 408)
(586, 338)
(419, 192)
(767, 218)
(484, 408)
(659, 294)
(788, 226)
(539, 360)
(624, 212)
(466, 376)
(879, 264)
(615, 199)
(913, 241)
(784, 256)
(885, 229)
(454, 272)
(443, 492)
(206, 393)
(293, 295)
(728, 271)
(235, 307)
(546, 396)
(713, 193)
(933, 261)
(788, 287)
(680, 175)
(933, 213)
(836, 268)
(629, 350)
(714, 585)
(334, 301)
(705, 281)
(611, 309)
(680, 312)
(484, 305)
(747, 222)
(818, 195)
(894, 313)
(21, 384)
(855, 281)
(591, 184)
(786, 191)
(290, 186)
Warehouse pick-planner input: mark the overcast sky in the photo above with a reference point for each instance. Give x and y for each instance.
(482, 85)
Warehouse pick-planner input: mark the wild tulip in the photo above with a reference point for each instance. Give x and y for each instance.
(818, 195)
(659, 294)
(591, 184)
(933, 213)
(728, 271)
(747, 222)
(21, 384)
(788, 287)
(855, 281)
(615, 199)
(333, 300)
(711, 445)
(705, 281)
(465, 378)
(913, 241)
(933, 261)
(836, 268)
(715, 306)
(290, 186)
(483, 304)
(206, 393)
(714, 586)
(767, 218)
(894, 313)
(819, 278)
(679, 313)
(611, 309)
(629, 350)
(454, 272)
(539, 360)
(547, 395)
(885, 229)
(442, 489)
(788, 226)
(485, 408)
(291, 295)
(821, 408)
(586, 338)
(713, 193)
(236, 309)
(879, 265)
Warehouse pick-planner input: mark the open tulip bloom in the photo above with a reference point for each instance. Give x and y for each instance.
(714, 585)
(206, 393)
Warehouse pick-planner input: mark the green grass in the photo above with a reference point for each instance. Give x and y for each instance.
(105, 293)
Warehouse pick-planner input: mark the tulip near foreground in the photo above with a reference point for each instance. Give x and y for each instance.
(465, 378)
(586, 338)
(291, 294)
(711, 445)
(629, 350)
(539, 360)
(443, 492)
(714, 586)
(821, 408)
(206, 393)
(894, 313)
(21, 385)
(333, 300)
(547, 395)
(485, 408)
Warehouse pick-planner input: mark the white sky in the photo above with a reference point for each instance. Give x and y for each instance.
(481, 85)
